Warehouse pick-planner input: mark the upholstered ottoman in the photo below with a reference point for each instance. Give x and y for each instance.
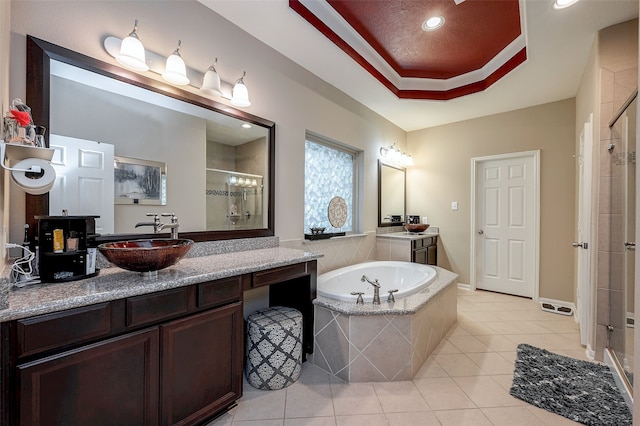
(274, 348)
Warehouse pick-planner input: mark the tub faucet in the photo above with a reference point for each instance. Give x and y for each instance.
(376, 288)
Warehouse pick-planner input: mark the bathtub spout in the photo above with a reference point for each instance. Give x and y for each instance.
(374, 283)
(376, 288)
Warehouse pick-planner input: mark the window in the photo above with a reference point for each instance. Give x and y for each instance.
(331, 170)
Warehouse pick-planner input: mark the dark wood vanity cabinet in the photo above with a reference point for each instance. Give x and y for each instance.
(114, 382)
(173, 357)
(201, 368)
(164, 358)
(425, 250)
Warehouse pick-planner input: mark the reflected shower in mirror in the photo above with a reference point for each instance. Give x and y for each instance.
(213, 164)
(391, 195)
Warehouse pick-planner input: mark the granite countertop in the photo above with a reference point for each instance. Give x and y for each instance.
(409, 235)
(114, 283)
(405, 306)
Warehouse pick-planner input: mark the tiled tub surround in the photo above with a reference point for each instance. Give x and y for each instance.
(386, 342)
(115, 283)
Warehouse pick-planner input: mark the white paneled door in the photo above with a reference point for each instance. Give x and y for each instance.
(506, 218)
(84, 180)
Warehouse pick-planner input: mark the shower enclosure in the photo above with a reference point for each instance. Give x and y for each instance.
(622, 205)
(234, 200)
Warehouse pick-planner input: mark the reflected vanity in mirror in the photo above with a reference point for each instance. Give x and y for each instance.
(209, 164)
(391, 195)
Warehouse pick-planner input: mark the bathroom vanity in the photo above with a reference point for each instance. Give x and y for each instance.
(409, 247)
(116, 349)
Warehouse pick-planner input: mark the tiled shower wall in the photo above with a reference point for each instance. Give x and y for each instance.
(616, 84)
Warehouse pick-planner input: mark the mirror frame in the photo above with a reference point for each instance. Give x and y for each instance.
(404, 207)
(40, 53)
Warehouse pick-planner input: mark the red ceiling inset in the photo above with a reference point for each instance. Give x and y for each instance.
(480, 42)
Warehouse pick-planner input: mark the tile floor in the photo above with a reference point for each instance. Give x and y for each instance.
(465, 382)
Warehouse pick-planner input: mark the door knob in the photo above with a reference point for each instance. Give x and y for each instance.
(583, 245)
(480, 231)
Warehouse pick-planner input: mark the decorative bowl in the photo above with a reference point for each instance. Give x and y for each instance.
(416, 227)
(145, 255)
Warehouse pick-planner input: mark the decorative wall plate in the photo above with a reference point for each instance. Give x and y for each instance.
(337, 212)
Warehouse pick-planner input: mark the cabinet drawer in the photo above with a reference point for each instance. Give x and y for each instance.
(218, 292)
(154, 307)
(59, 329)
(276, 275)
(416, 244)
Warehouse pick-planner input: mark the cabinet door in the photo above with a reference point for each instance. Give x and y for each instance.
(432, 255)
(201, 371)
(109, 383)
(420, 256)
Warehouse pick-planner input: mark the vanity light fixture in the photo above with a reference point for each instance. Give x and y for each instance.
(240, 96)
(393, 155)
(175, 70)
(131, 53)
(211, 81)
(561, 4)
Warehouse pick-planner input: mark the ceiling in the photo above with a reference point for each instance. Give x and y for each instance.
(520, 54)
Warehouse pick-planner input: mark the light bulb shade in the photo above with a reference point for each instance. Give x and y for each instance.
(132, 54)
(240, 95)
(175, 70)
(211, 83)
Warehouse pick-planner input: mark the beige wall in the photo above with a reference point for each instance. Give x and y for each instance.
(280, 90)
(442, 174)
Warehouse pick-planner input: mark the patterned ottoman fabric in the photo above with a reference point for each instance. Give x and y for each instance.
(274, 348)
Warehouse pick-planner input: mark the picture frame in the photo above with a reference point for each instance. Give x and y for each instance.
(138, 181)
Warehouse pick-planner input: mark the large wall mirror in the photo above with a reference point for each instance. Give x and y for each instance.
(391, 195)
(149, 147)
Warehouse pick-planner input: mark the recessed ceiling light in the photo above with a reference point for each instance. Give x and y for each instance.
(246, 126)
(433, 23)
(561, 4)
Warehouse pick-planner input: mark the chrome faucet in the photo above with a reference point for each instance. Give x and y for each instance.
(376, 288)
(155, 223)
(158, 226)
(173, 225)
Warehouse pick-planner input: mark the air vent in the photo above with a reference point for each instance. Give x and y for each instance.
(556, 308)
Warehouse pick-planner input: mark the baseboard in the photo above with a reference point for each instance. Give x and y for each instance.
(591, 354)
(464, 286)
(557, 306)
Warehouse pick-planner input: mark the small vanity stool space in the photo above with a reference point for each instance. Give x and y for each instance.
(274, 348)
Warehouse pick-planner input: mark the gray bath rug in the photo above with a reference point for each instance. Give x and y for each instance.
(582, 391)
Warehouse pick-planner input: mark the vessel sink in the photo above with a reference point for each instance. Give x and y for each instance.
(416, 227)
(146, 256)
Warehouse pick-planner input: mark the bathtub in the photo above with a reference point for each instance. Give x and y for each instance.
(408, 278)
(352, 341)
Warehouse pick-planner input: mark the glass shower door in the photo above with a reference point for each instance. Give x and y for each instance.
(623, 194)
